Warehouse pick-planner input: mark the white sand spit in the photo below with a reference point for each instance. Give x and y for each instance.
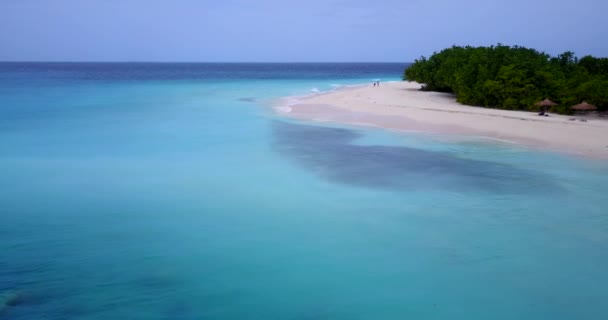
(402, 106)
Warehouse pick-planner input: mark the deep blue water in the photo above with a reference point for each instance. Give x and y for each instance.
(171, 191)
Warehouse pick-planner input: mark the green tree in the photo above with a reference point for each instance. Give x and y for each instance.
(512, 77)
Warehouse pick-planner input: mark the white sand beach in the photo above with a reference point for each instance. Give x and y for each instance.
(402, 106)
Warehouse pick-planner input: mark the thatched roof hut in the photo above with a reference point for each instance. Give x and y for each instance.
(584, 106)
(546, 103)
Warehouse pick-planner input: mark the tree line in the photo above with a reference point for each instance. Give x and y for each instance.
(513, 78)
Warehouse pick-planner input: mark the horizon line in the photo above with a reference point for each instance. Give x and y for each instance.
(227, 62)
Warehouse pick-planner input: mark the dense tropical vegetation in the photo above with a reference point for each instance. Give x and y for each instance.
(513, 77)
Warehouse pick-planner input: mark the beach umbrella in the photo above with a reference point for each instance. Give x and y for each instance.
(546, 103)
(584, 107)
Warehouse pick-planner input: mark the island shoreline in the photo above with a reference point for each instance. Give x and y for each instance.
(402, 106)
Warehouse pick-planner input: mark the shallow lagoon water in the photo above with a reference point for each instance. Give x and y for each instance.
(170, 192)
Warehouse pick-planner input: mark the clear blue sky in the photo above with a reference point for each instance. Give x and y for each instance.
(283, 30)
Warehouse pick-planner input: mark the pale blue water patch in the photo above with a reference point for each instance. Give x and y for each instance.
(154, 191)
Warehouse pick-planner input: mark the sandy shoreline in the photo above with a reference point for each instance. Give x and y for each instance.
(401, 106)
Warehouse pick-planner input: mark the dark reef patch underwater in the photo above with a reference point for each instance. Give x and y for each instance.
(332, 153)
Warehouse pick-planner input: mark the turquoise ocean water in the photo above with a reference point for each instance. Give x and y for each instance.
(171, 191)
